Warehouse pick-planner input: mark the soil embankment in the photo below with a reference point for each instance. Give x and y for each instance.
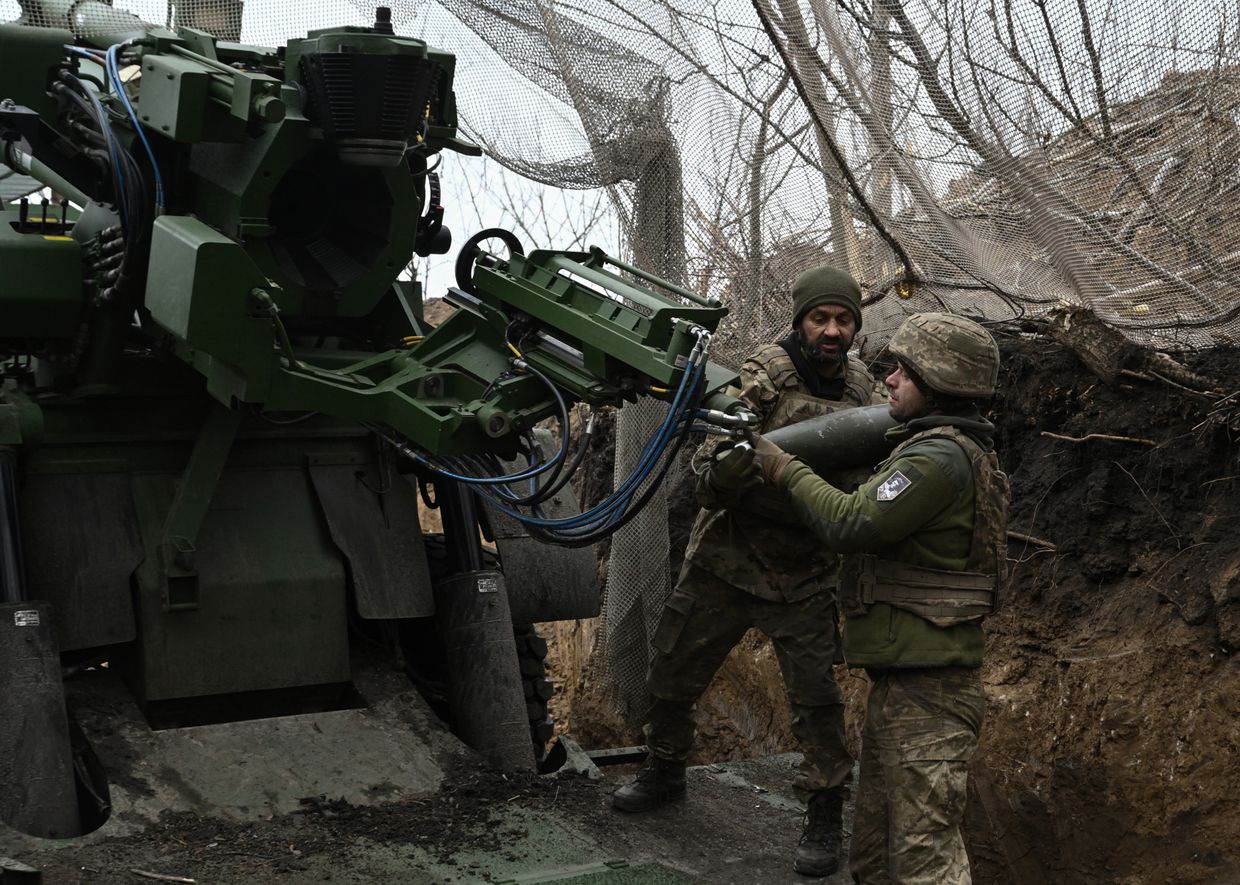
(1110, 748)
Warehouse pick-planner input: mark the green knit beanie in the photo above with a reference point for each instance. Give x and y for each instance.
(824, 285)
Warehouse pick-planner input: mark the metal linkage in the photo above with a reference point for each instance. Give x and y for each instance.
(547, 477)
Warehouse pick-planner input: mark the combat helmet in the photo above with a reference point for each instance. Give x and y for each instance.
(954, 356)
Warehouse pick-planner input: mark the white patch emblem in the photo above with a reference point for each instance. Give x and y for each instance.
(893, 486)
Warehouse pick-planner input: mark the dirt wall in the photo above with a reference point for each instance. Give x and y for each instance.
(1109, 752)
(1110, 749)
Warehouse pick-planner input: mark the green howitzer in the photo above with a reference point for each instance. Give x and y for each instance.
(224, 418)
(288, 196)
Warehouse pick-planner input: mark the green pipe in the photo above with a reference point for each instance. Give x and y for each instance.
(41, 172)
(651, 278)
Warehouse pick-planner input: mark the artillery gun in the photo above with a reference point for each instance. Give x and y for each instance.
(223, 413)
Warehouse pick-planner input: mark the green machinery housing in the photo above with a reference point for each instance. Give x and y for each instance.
(223, 412)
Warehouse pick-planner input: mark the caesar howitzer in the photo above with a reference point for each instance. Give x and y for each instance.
(228, 415)
(282, 198)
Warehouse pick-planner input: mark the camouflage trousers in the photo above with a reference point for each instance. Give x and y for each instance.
(921, 730)
(703, 620)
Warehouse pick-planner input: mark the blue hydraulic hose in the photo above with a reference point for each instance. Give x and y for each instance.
(114, 74)
(616, 517)
(613, 509)
(487, 480)
(654, 447)
(651, 453)
(122, 198)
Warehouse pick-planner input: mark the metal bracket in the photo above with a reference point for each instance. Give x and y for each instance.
(177, 571)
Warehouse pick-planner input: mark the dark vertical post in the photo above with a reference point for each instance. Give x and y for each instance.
(474, 619)
(37, 791)
(12, 576)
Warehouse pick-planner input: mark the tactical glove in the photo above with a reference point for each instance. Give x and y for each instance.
(733, 470)
(771, 458)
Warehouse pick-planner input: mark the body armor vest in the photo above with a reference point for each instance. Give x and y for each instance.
(795, 403)
(769, 559)
(944, 598)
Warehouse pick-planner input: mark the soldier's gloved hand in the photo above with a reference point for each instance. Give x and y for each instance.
(734, 469)
(771, 458)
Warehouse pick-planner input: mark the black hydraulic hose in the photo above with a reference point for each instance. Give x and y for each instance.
(89, 103)
(561, 475)
(77, 94)
(562, 417)
(135, 187)
(474, 465)
(12, 575)
(583, 446)
(545, 494)
(618, 513)
(90, 78)
(540, 495)
(630, 511)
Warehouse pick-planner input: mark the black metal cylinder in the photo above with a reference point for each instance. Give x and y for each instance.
(12, 577)
(37, 791)
(459, 511)
(484, 675)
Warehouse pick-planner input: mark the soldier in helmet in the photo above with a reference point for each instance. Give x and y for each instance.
(926, 538)
(740, 571)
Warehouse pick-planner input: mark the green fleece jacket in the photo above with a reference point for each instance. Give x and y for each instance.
(917, 508)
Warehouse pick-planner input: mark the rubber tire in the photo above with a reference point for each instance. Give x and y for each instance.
(532, 656)
(531, 652)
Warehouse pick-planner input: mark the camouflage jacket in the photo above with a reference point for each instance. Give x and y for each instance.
(782, 563)
(936, 509)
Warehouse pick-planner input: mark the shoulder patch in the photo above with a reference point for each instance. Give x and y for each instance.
(893, 486)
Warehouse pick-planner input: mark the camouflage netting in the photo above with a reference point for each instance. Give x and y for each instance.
(993, 157)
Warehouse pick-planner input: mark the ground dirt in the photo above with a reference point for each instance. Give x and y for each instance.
(738, 826)
(1110, 748)
(1109, 752)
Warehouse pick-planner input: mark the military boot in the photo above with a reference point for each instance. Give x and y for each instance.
(659, 781)
(818, 853)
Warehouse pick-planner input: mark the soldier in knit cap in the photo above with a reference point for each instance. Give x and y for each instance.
(742, 571)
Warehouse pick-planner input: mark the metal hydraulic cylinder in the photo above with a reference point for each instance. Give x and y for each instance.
(37, 792)
(484, 675)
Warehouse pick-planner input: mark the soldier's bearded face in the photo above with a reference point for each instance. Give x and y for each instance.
(826, 332)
